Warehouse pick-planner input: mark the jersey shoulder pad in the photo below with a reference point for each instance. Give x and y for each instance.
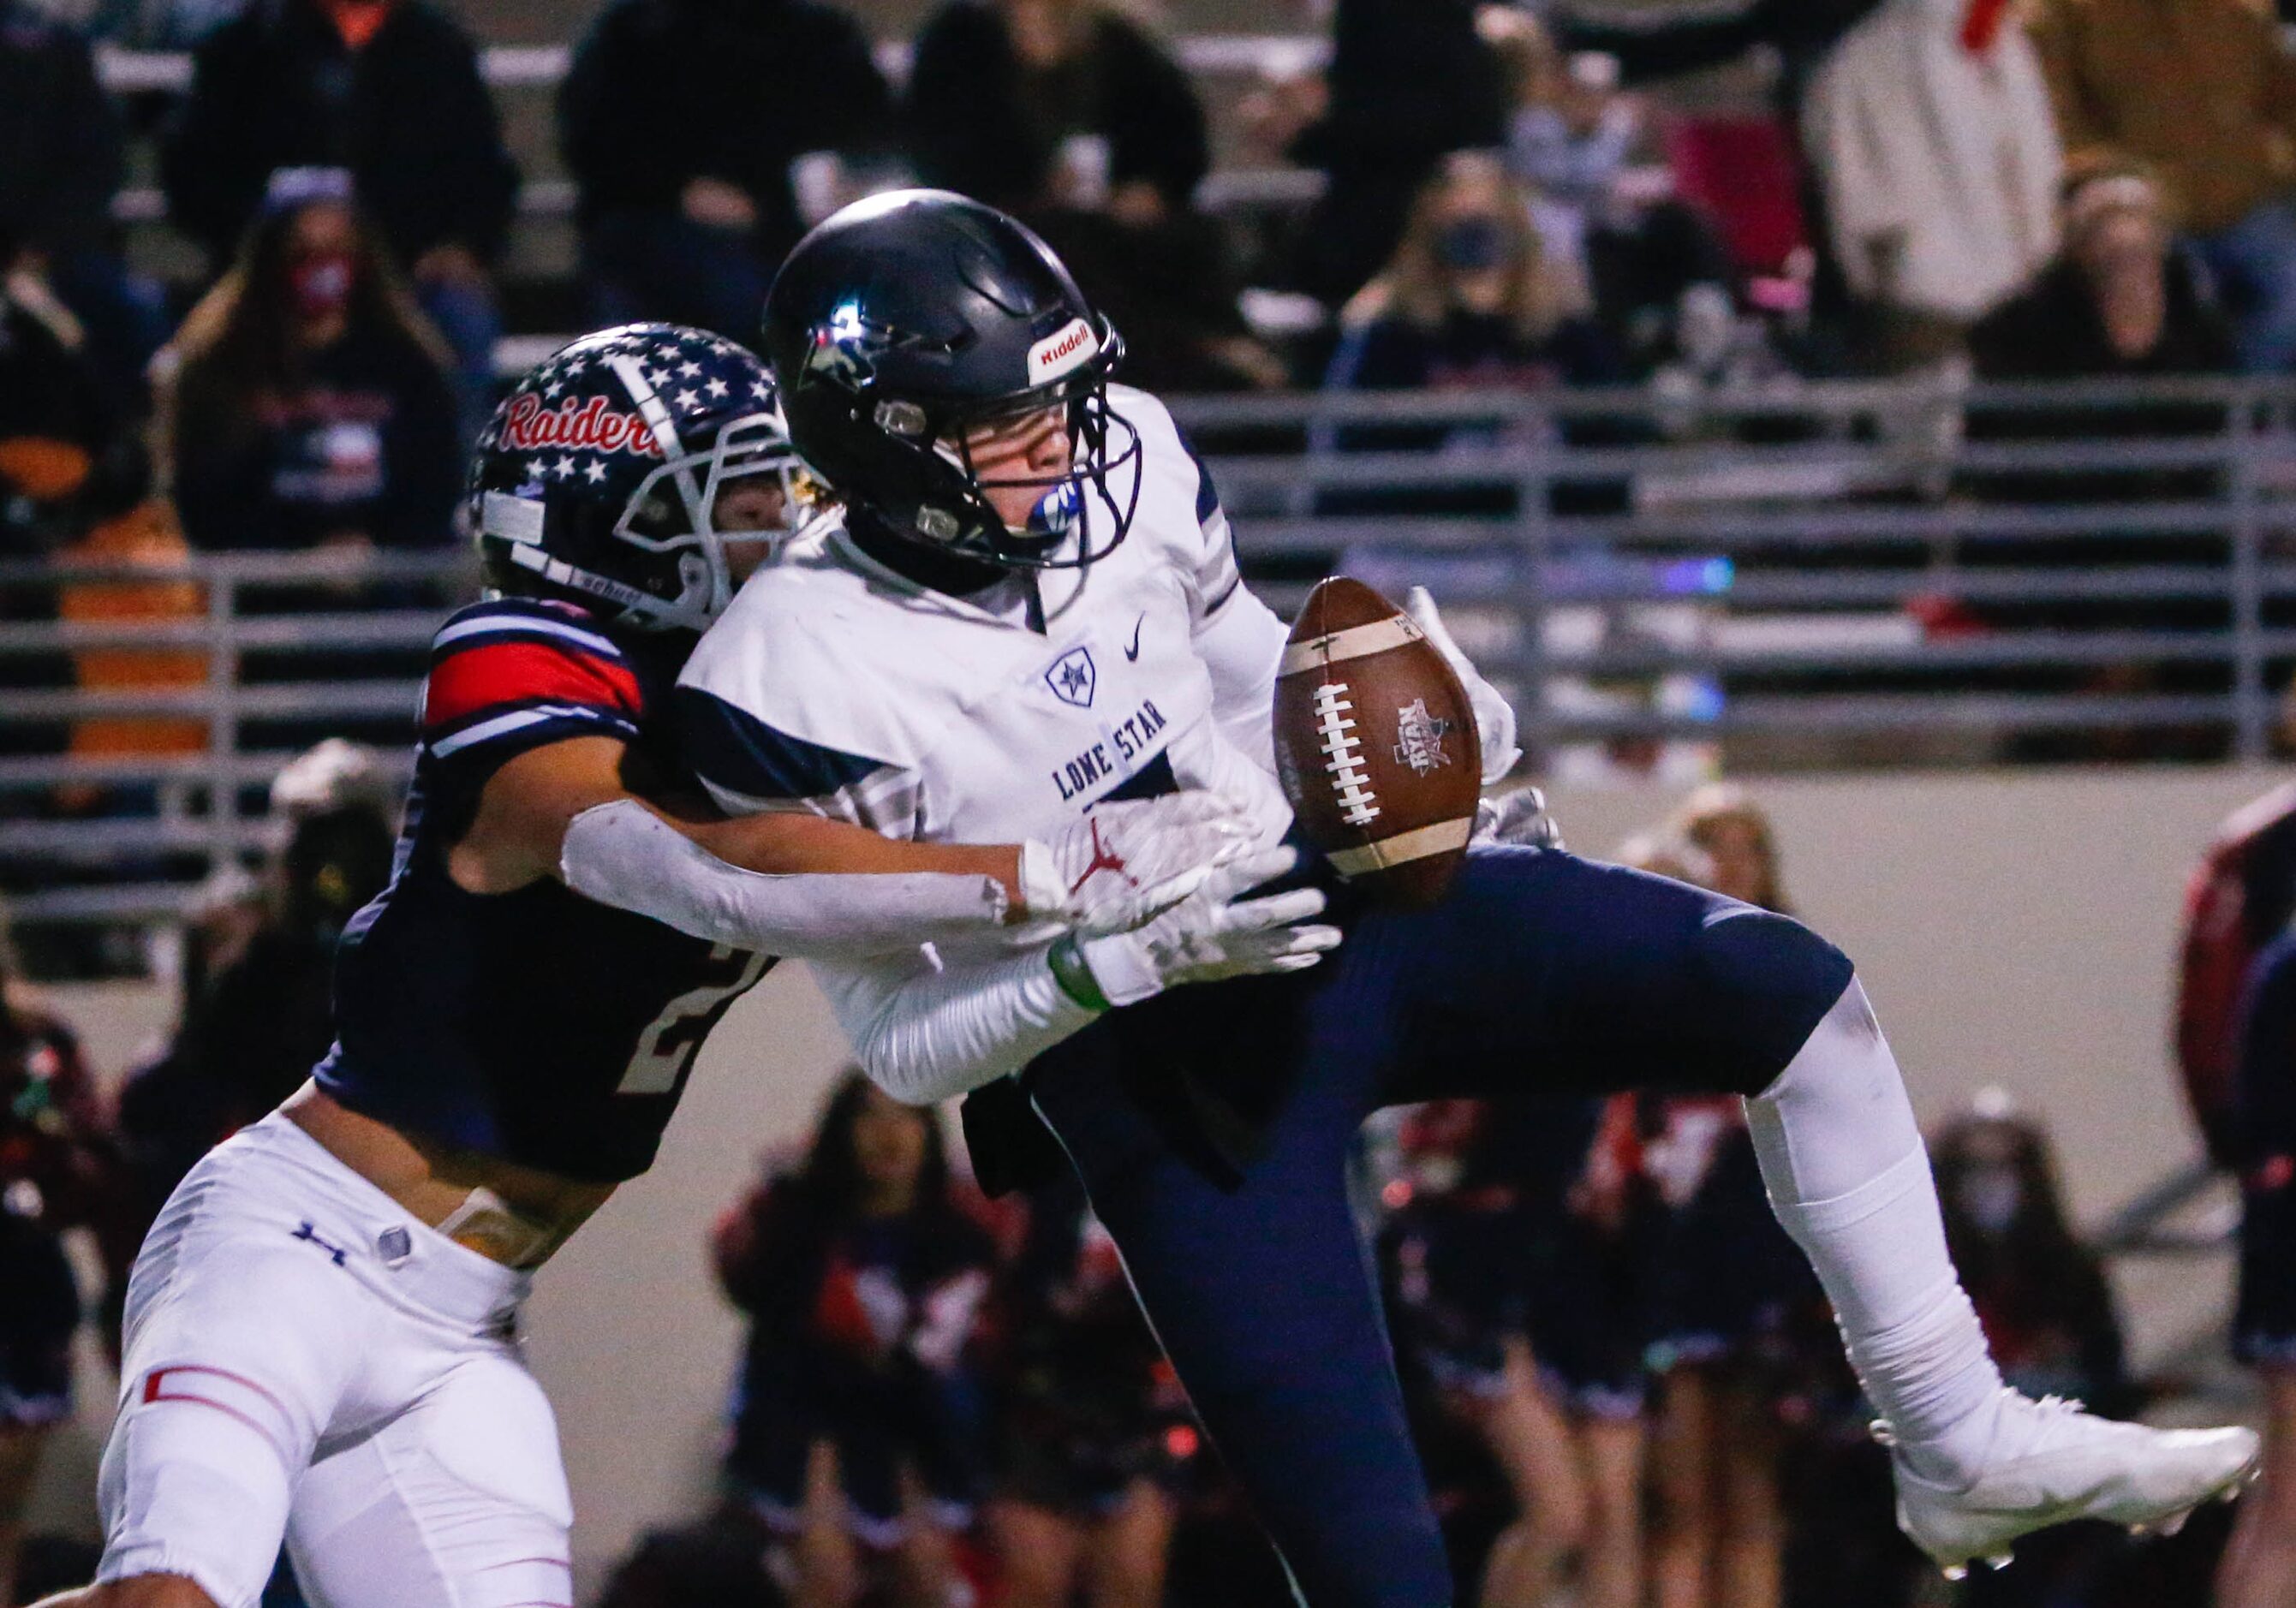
(1175, 474)
(801, 689)
(510, 674)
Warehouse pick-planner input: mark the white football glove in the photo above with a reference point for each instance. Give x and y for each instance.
(1494, 720)
(1111, 870)
(1210, 935)
(1517, 818)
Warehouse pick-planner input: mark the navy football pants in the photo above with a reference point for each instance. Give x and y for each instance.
(1539, 973)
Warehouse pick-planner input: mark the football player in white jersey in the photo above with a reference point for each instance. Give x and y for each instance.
(1030, 608)
(321, 1326)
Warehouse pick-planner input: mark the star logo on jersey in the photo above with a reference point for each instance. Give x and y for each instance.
(1073, 676)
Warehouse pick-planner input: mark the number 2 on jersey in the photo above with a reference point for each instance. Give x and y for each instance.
(670, 1041)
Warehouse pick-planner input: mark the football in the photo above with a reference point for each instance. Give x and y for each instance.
(1375, 745)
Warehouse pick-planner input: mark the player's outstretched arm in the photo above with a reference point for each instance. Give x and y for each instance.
(926, 1032)
(800, 885)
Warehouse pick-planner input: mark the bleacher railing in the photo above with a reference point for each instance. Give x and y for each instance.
(1845, 573)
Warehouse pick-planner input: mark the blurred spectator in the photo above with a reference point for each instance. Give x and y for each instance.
(304, 403)
(53, 1168)
(2047, 1312)
(2121, 299)
(73, 479)
(1510, 1264)
(2041, 1293)
(1170, 286)
(1089, 1420)
(690, 227)
(856, 1429)
(1410, 81)
(387, 89)
(60, 163)
(1077, 117)
(1023, 103)
(2205, 93)
(1640, 249)
(1792, 38)
(1452, 1252)
(1572, 135)
(78, 487)
(1728, 1289)
(56, 430)
(1570, 139)
(1929, 128)
(1586, 1320)
(2242, 895)
(2258, 1568)
(1470, 299)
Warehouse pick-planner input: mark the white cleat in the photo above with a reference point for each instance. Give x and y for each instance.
(2070, 1465)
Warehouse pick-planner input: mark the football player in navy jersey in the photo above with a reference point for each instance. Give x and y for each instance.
(320, 1338)
(1030, 605)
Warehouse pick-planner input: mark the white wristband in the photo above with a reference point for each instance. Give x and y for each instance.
(1043, 895)
(1123, 967)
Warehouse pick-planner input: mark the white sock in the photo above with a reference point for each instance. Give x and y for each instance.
(1849, 1179)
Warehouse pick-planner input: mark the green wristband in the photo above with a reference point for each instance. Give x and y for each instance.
(1074, 974)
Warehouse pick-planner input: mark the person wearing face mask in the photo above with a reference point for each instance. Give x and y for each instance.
(2039, 1292)
(1472, 298)
(306, 402)
(388, 90)
(2048, 1311)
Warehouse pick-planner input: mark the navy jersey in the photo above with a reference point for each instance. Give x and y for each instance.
(535, 1026)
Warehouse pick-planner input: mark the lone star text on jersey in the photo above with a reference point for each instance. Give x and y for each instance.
(1130, 739)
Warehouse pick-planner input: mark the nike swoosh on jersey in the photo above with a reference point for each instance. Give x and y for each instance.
(1132, 654)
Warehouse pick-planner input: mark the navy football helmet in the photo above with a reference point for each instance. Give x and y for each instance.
(908, 320)
(598, 478)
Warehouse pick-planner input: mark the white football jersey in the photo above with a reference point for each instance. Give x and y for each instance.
(835, 686)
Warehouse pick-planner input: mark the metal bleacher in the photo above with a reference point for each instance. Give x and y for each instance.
(1817, 576)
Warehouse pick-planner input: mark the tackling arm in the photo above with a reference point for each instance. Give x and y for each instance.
(790, 884)
(800, 885)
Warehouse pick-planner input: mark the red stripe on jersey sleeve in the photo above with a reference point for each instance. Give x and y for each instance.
(506, 673)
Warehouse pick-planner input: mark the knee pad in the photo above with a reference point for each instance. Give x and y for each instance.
(1763, 982)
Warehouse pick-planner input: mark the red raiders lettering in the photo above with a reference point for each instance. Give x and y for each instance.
(591, 427)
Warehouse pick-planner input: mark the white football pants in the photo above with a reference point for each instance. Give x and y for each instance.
(305, 1360)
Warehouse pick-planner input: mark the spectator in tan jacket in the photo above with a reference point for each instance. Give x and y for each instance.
(2203, 92)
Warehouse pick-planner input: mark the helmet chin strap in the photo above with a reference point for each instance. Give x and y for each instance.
(648, 610)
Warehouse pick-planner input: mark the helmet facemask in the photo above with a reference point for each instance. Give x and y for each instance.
(673, 511)
(938, 499)
(1101, 443)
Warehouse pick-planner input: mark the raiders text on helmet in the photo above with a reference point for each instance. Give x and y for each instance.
(598, 477)
(910, 319)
